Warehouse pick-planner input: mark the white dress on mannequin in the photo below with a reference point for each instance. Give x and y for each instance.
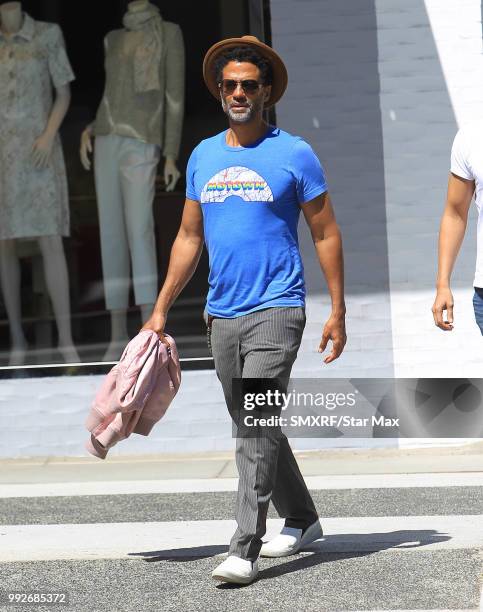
(33, 202)
(33, 185)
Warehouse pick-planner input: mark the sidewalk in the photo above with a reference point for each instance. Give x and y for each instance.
(466, 458)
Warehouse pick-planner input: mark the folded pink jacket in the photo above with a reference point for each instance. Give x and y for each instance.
(135, 393)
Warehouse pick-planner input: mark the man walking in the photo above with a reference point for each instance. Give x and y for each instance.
(466, 175)
(245, 189)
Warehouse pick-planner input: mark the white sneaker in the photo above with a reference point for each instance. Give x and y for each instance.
(235, 569)
(290, 540)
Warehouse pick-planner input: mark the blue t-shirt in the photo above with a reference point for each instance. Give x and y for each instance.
(250, 200)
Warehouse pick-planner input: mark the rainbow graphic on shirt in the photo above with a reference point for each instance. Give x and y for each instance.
(236, 181)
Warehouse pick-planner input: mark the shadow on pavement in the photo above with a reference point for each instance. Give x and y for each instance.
(327, 549)
(375, 542)
(331, 548)
(182, 554)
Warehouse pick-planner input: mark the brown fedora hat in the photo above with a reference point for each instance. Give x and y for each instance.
(280, 77)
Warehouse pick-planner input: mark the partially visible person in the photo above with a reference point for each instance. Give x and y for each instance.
(465, 180)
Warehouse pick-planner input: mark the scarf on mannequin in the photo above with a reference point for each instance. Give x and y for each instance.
(147, 56)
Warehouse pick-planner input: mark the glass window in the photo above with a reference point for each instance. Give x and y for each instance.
(78, 285)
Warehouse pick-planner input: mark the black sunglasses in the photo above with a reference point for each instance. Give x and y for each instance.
(249, 86)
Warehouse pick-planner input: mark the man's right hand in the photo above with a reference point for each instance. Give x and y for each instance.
(185, 254)
(443, 301)
(156, 324)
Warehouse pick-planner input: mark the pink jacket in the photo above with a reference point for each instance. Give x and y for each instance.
(135, 393)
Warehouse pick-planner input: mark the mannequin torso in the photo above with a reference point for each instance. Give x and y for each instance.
(152, 113)
(131, 40)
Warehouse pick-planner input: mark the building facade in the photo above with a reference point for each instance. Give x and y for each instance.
(379, 89)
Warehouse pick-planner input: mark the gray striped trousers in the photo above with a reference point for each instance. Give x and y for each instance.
(262, 344)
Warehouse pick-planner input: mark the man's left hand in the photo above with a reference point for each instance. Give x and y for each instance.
(334, 330)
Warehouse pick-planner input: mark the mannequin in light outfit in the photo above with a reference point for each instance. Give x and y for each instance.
(140, 116)
(33, 186)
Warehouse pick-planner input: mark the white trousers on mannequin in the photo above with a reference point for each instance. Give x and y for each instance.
(125, 173)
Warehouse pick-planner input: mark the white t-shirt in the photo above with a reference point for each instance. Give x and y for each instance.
(467, 162)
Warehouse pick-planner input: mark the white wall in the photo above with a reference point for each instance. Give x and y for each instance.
(330, 48)
(430, 66)
(379, 87)
(45, 417)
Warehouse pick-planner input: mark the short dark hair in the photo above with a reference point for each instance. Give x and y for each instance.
(244, 54)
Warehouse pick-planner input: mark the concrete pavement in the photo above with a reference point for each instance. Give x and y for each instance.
(465, 458)
(402, 531)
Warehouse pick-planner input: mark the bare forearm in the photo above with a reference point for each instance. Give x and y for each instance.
(451, 234)
(331, 259)
(59, 111)
(184, 258)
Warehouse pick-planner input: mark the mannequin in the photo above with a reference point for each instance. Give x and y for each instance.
(171, 173)
(33, 186)
(139, 117)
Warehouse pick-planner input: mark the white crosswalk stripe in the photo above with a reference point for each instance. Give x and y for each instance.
(123, 540)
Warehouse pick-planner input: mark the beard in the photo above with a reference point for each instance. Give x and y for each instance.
(251, 110)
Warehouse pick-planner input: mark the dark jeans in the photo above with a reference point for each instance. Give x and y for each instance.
(478, 307)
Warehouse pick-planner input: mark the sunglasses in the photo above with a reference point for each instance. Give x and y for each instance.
(249, 86)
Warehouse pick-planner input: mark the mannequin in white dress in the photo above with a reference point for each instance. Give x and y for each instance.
(140, 117)
(40, 163)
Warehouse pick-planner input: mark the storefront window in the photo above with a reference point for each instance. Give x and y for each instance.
(140, 89)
